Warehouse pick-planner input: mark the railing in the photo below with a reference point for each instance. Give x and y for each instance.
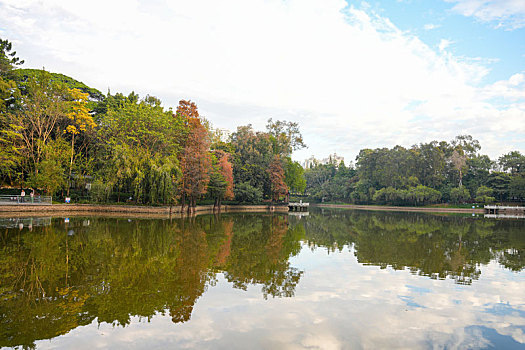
(12, 200)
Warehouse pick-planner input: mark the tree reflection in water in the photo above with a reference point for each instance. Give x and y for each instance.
(56, 278)
(437, 246)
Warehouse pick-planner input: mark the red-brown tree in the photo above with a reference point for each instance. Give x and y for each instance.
(276, 174)
(226, 170)
(195, 158)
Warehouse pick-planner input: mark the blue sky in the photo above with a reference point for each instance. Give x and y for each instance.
(496, 42)
(356, 74)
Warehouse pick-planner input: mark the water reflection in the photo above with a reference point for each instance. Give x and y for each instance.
(53, 281)
(111, 270)
(430, 245)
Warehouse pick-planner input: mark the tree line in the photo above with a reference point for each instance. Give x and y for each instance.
(64, 138)
(426, 173)
(59, 135)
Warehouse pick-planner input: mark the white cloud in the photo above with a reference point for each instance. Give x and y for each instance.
(507, 13)
(512, 90)
(430, 26)
(344, 73)
(444, 43)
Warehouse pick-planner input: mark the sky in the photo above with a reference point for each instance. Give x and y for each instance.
(353, 74)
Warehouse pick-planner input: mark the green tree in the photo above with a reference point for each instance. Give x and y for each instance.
(423, 195)
(484, 195)
(466, 145)
(221, 178)
(285, 137)
(50, 173)
(253, 154)
(499, 183)
(459, 194)
(10, 140)
(517, 187)
(8, 59)
(479, 168)
(514, 162)
(40, 119)
(139, 147)
(430, 160)
(294, 176)
(246, 193)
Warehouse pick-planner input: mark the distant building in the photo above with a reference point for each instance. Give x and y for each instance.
(310, 162)
(331, 159)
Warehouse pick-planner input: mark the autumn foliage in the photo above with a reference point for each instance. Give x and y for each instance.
(195, 159)
(276, 173)
(226, 170)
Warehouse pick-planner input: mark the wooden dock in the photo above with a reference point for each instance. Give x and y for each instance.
(298, 206)
(504, 210)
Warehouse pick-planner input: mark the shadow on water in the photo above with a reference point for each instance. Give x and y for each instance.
(62, 275)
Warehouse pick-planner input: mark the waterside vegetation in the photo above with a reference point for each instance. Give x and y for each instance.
(452, 172)
(64, 138)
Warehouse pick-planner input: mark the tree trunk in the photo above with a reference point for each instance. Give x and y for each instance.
(71, 163)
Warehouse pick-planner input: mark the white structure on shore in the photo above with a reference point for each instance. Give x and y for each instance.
(331, 159)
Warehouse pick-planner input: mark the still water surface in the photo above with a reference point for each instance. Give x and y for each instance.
(336, 279)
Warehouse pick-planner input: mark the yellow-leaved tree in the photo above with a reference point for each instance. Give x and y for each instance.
(80, 121)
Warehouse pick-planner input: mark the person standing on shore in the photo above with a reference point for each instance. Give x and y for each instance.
(32, 194)
(22, 196)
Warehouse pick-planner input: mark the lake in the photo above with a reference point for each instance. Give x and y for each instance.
(332, 279)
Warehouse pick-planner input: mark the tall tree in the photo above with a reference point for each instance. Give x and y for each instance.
(10, 147)
(285, 136)
(139, 145)
(253, 154)
(221, 178)
(276, 173)
(467, 144)
(80, 121)
(195, 158)
(294, 176)
(8, 59)
(226, 170)
(514, 162)
(459, 161)
(40, 117)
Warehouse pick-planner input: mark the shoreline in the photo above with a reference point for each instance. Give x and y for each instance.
(406, 209)
(161, 212)
(128, 210)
